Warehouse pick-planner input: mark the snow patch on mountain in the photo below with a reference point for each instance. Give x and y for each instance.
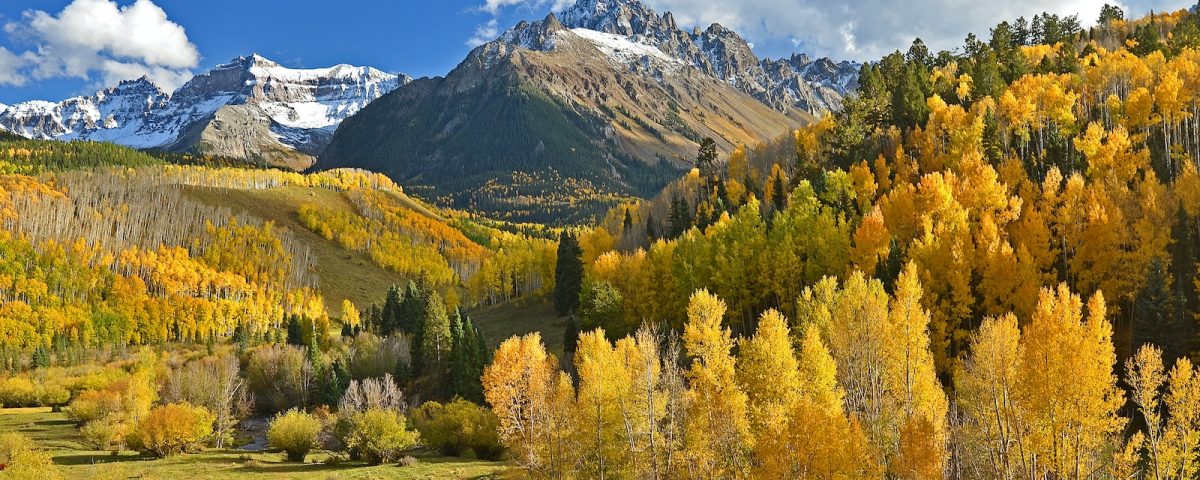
(624, 50)
(139, 114)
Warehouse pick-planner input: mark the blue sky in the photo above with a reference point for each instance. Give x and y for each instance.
(51, 49)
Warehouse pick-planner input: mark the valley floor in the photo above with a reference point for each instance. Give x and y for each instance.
(56, 433)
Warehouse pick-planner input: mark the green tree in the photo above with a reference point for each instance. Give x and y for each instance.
(389, 317)
(295, 332)
(568, 274)
(1156, 316)
(435, 335)
(1109, 13)
(706, 159)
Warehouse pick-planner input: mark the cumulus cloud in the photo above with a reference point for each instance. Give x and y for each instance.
(100, 40)
(10, 68)
(869, 29)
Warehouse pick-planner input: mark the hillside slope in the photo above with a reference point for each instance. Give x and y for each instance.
(553, 122)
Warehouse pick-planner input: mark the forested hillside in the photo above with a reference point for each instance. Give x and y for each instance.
(983, 266)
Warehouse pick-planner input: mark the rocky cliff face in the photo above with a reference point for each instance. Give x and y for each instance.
(288, 115)
(796, 82)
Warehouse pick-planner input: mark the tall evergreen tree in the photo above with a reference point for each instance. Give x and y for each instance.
(680, 219)
(411, 314)
(41, 357)
(469, 358)
(389, 317)
(651, 228)
(571, 335)
(568, 274)
(706, 159)
(295, 332)
(1157, 316)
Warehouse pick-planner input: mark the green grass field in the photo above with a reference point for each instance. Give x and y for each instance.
(55, 433)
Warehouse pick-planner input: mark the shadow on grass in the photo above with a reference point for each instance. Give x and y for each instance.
(88, 459)
(295, 467)
(56, 423)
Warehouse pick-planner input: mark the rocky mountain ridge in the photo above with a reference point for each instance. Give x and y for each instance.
(250, 108)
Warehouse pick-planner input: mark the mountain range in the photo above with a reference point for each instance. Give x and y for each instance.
(603, 100)
(555, 119)
(250, 108)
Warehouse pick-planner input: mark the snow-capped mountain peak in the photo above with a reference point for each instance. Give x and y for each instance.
(302, 106)
(634, 36)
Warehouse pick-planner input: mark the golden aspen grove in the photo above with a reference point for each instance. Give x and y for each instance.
(981, 263)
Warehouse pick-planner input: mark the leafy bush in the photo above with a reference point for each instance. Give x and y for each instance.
(380, 435)
(295, 433)
(94, 405)
(19, 460)
(106, 434)
(457, 426)
(372, 357)
(175, 428)
(279, 377)
(16, 392)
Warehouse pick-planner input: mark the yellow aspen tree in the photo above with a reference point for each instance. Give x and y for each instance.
(858, 334)
(818, 373)
(1067, 386)
(912, 381)
(603, 388)
(526, 391)
(819, 444)
(1145, 376)
(987, 397)
(872, 242)
(816, 439)
(718, 432)
(644, 407)
(1182, 400)
(768, 373)
(350, 315)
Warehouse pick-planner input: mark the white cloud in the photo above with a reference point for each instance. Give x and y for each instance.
(488, 31)
(100, 40)
(494, 7)
(869, 29)
(10, 68)
(484, 33)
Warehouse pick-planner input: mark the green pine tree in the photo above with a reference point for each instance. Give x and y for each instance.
(568, 274)
(295, 332)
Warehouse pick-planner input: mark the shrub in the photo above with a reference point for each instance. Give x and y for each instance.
(371, 357)
(214, 383)
(175, 428)
(106, 434)
(380, 435)
(408, 461)
(457, 426)
(295, 433)
(17, 392)
(279, 377)
(94, 405)
(21, 461)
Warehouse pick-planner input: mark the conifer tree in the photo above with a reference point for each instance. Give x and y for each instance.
(568, 274)
(389, 316)
(295, 332)
(571, 334)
